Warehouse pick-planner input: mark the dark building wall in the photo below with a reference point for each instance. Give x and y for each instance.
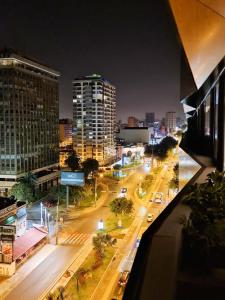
(205, 134)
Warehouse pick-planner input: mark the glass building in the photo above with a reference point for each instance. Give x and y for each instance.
(29, 113)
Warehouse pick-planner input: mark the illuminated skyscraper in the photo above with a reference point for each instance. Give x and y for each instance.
(94, 118)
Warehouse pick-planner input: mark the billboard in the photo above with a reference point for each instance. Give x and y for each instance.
(72, 178)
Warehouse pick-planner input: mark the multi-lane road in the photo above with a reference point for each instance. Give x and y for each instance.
(77, 232)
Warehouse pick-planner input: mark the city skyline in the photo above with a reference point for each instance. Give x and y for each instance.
(131, 54)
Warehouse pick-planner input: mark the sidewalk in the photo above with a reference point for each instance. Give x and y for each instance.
(8, 284)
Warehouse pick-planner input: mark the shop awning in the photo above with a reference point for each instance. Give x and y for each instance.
(27, 241)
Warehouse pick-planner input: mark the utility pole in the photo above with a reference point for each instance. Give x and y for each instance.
(57, 220)
(95, 189)
(152, 149)
(67, 197)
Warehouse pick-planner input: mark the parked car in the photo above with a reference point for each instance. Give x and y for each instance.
(158, 198)
(123, 278)
(150, 218)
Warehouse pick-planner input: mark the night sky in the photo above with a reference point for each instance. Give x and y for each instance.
(133, 45)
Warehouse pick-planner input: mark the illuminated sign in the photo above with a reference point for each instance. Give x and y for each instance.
(72, 178)
(7, 230)
(7, 252)
(7, 209)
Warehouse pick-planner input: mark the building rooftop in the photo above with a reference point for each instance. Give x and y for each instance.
(6, 202)
(139, 128)
(8, 53)
(93, 77)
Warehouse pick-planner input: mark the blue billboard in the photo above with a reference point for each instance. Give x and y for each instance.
(72, 178)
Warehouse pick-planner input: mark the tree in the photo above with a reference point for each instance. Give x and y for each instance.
(22, 192)
(121, 206)
(90, 165)
(117, 167)
(100, 242)
(81, 275)
(174, 183)
(29, 178)
(73, 161)
(129, 153)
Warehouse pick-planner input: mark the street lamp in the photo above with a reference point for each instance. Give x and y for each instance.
(41, 214)
(100, 225)
(45, 216)
(57, 221)
(48, 222)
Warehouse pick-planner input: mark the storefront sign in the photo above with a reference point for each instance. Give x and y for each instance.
(7, 210)
(7, 230)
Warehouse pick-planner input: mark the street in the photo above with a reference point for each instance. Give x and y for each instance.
(79, 229)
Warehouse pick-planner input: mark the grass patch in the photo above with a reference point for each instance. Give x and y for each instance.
(87, 202)
(135, 164)
(87, 289)
(112, 222)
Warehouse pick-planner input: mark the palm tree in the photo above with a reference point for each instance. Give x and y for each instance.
(30, 179)
(81, 275)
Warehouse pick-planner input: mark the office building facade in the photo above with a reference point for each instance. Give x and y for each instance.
(94, 118)
(171, 121)
(29, 111)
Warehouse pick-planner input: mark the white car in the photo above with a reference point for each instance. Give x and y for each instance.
(150, 218)
(158, 198)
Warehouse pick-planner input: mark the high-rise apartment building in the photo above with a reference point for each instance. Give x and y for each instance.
(149, 119)
(132, 122)
(94, 118)
(170, 121)
(29, 112)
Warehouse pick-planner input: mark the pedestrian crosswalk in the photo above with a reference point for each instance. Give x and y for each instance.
(76, 239)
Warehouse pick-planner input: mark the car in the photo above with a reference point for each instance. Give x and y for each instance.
(123, 278)
(158, 198)
(150, 218)
(123, 190)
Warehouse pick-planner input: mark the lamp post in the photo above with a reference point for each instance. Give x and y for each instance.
(95, 189)
(45, 216)
(41, 214)
(48, 223)
(57, 222)
(100, 224)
